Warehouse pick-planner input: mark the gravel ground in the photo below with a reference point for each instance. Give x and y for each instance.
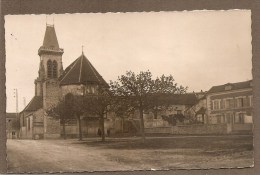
(186, 152)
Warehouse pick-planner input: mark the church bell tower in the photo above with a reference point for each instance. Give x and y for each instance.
(50, 67)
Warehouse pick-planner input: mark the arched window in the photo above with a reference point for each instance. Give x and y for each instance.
(54, 69)
(49, 68)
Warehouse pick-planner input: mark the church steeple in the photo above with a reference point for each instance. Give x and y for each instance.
(50, 67)
(50, 42)
(50, 55)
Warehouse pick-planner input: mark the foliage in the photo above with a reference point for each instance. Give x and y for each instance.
(173, 119)
(98, 105)
(141, 91)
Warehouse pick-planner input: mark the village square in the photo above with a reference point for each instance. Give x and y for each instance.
(78, 121)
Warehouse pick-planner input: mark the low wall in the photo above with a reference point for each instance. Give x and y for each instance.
(192, 129)
(243, 127)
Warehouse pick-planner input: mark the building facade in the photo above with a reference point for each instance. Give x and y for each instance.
(231, 104)
(12, 126)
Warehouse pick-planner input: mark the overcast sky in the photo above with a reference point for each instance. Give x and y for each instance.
(199, 48)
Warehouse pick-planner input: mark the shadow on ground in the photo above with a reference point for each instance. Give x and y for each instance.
(210, 145)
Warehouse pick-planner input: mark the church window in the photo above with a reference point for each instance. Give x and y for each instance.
(54, 69)
(49, 69)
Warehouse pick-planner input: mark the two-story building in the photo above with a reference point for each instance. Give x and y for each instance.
(231, 103)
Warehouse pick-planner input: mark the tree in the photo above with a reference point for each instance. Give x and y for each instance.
(121, 108)
(69, 108)
(62, 110)
(78, 109)
(98, 104)
(139, 91)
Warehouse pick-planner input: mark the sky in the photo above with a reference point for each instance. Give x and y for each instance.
(200, 49)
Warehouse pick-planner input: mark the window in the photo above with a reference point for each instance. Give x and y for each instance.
(240, 102)
(215, 104)
(229, 103)
(200, 118)
(239, 118)
(54, 69)
(49, 69)
(13, 133)
(229, 117)
(222, 104)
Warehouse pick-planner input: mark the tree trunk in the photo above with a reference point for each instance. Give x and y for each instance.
(142, 123)
(80, 131)
(64, 130)
(122, 122)
(102, 125)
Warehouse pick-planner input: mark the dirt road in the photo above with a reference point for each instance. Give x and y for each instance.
(55, 156)
(129, 154)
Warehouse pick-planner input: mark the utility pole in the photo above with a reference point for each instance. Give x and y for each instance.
(24, 102)
(16, 97)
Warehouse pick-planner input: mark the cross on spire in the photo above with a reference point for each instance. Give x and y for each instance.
(82, 49)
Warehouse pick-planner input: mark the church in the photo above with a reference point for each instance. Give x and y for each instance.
(51, 85)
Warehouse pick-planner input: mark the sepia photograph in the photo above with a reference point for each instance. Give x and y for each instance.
(129, 91)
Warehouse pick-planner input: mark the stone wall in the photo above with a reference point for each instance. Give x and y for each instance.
(51, 93)
(38, 128)
(193, 129)
(51, 128)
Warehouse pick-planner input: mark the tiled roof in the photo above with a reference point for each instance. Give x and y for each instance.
(233, 86)
(35, 104)
(81, 71)
(50, 38)
(178, 99)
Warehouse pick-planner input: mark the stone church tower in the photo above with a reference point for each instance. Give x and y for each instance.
(50, 65)
(47, 84)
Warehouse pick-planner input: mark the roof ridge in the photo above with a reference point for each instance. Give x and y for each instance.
(80, 70)
(69, 70)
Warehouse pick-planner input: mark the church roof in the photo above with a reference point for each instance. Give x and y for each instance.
(50, 38)
(35, 104)
(50, 41)
(81, 71)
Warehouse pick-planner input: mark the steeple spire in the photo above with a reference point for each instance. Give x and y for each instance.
(50, 41)
(50, 38)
